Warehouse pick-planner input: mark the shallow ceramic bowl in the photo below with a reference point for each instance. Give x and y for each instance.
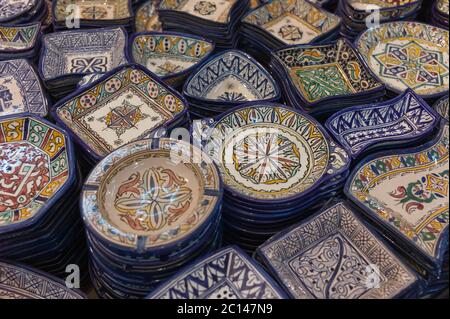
(231, 77)
(19, 38)
(359, 10)
(293, 21)
(88, 51)
(408, 55)
(171, 56)
(21, 89)
(407, 193)
(228, 274)
(398, 121)
(93, 10)
(127, 104)
(150, 195)
(333, 255)
(441, 107)
(14, 9)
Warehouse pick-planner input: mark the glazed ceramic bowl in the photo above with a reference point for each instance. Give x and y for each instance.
(441, 107)
(19, 41)
(12, 10)
(408, 55)
(147, 18)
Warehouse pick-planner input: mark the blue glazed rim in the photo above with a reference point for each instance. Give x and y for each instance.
(387, 103)
(398, 7)
(60, 33)
(261, 68)
(130, 58)
(418, 283)
(18, 14)
(36, 39)
(389, 87)
(325, 177)
(90, 152)
(282, 68)
(184, 271)
(443, 241)
(59, 195)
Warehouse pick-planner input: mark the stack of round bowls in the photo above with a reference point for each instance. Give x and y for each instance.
(149, 207)
(277, 165)
(39, 216)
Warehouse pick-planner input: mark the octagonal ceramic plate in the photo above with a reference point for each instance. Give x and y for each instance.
(19, 38)
(441, 107)
(10, 9)
(231, 77)
(93, 9)
(145, 196)
(333, 255)
(408, 193)
(123, 106)
(293, 21)
(21, 89)
(408, 55)
(36, 164)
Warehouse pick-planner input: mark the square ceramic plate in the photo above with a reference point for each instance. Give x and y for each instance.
(95, 10)
(408, 55)
(405, 118)
(226, 274)
(293, 21)
(407, 193)
(127, 104)
(21, 89)
(80, 52)
(333, 255)
(19, 37)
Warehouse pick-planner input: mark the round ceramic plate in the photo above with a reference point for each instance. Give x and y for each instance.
(408, 55)
(269, 151)
(143, 196)
(12, 9)
(35, 167)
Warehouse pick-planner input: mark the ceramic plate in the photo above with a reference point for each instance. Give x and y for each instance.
(227, 274)
(271, 152)
(231, 77)
(335, 256)
(147, 18)
(408, 55)
(441, 107)
(20, 282)
(35, 161)
(126, 105)
(404, 118)
(326, 71)
(18, 38)
(212, 10)
(82, 52)
(144, 196)
(20, 89)
(407, 192)
(169, 54)
(293, 21)
(93, 9)
(10, 9)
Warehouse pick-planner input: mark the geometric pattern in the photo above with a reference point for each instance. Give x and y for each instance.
(18, 38)
(228, 274)
(333, 256)
(93, 9)
(442, 107)
(213, 10)
(89, 65)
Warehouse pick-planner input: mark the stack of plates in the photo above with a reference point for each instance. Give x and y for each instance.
(322, 79)
(69, 55)
(22, 11)
(19, 41)
(405, 194)
(127, 104)
(216, 20)
(279, 23)
(440, 14)
(360, 15)
(39, 216)
(92, 14)
(149, 208)
(277, 165)
(226, 80)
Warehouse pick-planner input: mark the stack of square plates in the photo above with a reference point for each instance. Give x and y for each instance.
(40, 222)
(125, 105)
(405, 194)
(322, 79)
(149, 208)
(440, 14)
(360, 15)
(336, 255)
(227, 80)
(19, 41)
(279, 23)
(69, 55)
(92, 14)
(216, 20)
(22, 11)
(277, 165)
